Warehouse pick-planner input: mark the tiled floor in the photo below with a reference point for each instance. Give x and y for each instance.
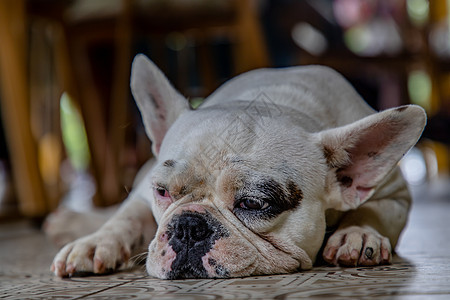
(421, 270)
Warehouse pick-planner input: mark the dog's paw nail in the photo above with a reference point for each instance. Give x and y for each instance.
(99, 266)
(60, 266)
(70, 269)
(385, 255)
(330, 254)
(369, 252)
(354, 255)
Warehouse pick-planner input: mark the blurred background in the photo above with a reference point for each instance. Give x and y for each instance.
(70, 132)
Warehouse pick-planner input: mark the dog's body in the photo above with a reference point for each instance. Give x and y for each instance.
(248, 183)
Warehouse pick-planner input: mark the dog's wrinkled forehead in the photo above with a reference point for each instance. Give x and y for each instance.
(215, 136)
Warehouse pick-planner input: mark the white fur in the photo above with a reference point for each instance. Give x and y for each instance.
(303, 127)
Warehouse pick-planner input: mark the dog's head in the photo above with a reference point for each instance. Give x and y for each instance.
(234, 198)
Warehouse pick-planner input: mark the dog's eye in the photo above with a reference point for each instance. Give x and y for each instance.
(162, 192)
(253, 204)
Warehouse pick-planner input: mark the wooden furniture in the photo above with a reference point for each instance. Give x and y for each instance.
(105, 114)
(15, 108)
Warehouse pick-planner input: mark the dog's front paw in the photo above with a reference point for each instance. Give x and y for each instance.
(97, 253)
(354, 246)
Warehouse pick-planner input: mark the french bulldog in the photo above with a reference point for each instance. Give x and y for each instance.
(275, 168)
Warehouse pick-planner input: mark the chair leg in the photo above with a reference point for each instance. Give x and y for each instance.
(251, 50)
(15, 110)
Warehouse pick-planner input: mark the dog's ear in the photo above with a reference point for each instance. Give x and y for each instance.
(158, 101)
(360, 155)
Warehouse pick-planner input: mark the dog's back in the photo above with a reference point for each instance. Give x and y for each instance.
(317, 91)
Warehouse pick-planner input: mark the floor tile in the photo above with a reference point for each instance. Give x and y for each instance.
(421, 270)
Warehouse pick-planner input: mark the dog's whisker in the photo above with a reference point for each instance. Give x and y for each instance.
(138, 259)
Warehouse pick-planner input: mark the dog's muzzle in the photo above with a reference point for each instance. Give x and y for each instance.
(192, 235)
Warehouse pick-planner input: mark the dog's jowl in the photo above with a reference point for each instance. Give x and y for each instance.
(248, 183)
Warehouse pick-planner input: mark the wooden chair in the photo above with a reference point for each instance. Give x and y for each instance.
(105, 118)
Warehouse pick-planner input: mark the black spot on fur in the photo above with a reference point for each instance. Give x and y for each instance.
(169, 163)
(369, 253)
(220, 270)
(295, 193)
(402, 108)
(279, 197)
(183, 190)
(212, 262)
(346, 181)
(372, 154)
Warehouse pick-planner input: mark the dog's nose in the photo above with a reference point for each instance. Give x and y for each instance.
(191, 236)
(191, 228)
